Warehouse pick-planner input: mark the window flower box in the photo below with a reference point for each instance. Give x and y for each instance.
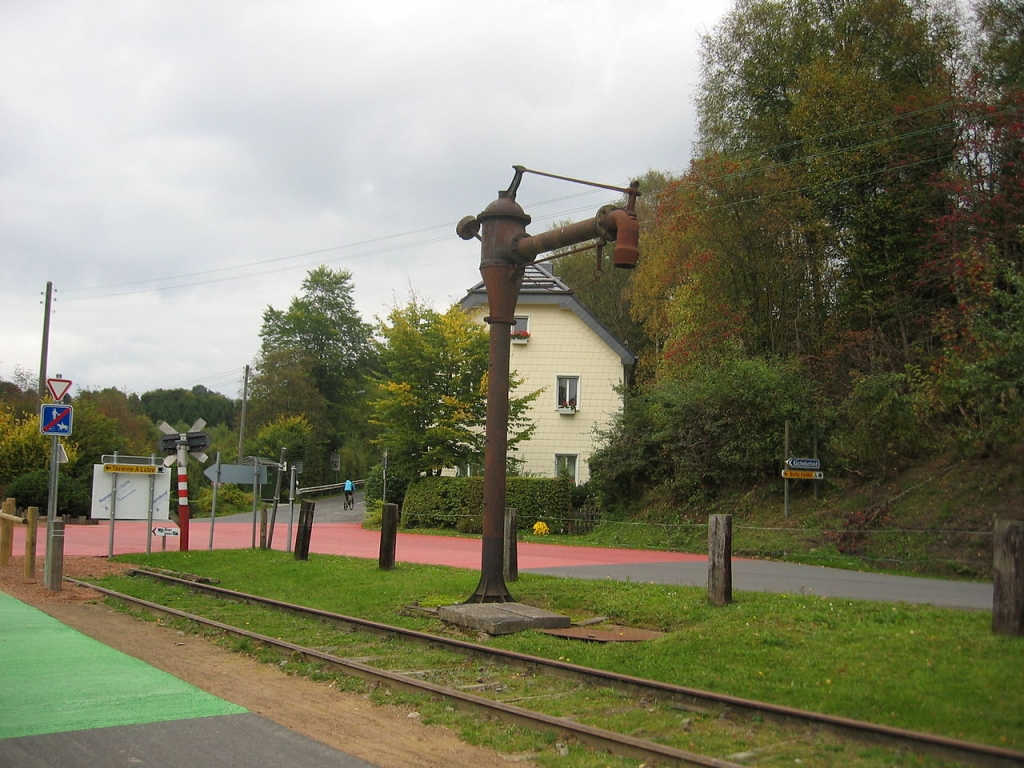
(520, 337)
(567, 408)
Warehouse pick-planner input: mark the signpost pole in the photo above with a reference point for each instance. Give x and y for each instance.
(255, 495)
(149, 512)
(213, 502)
(786, 481)
(52, 566)
(291, 506)
(113, 508)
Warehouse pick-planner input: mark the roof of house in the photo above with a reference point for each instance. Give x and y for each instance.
(541, 286)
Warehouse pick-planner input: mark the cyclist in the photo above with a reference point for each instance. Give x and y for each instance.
(350, 502)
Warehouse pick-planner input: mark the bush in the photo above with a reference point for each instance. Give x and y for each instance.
(457, 502)
(231, 500)
(717, 428)
(882, 424)
(74, 496)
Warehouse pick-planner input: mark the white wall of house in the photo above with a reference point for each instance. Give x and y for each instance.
(562, 345)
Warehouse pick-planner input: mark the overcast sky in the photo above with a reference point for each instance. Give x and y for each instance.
(176, 167)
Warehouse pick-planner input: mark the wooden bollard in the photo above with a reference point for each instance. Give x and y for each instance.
(1008, 578)
(511, 544)
(388, 537)
(7, 521)
(720, 559)
(305, 530)
(30, 544)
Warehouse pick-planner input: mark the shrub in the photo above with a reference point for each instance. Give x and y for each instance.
(231, 500)
(457, 502)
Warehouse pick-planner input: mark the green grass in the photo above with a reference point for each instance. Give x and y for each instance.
(918, 667)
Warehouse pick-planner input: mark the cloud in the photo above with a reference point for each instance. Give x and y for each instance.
(175, 167)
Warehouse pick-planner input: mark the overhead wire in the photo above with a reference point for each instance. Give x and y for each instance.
(241, 269)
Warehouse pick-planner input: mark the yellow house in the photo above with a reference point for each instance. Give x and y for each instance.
(558, 346)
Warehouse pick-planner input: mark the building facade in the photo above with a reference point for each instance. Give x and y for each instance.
(559, 347)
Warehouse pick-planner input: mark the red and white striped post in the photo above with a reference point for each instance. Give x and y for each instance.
(183, 508)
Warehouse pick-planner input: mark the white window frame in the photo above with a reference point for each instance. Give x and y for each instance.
(572, 382)
(563, 458)
(522, 325)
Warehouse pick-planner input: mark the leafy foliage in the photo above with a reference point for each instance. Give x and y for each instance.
(181, 407)
(717, 428)
(430, 404)
(314, 362)
(457, 502)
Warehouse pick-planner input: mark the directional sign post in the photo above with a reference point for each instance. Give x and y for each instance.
(803, 463)
(54, 420)
(802, 474)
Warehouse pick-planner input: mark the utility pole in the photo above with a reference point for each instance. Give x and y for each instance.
(241, 420)
(46, 339)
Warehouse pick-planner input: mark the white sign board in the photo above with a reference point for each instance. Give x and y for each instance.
(133, 494)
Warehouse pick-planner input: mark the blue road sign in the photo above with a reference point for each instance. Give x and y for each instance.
(56, 419)
(803, 463)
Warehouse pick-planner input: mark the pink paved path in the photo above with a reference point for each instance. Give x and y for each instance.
(337, 539)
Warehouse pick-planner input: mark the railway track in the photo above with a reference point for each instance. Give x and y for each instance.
(795, 724)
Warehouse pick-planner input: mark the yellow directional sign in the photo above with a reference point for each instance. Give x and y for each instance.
(802, 474)
(138, 469)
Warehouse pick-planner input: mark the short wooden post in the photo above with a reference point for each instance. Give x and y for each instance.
(7, 531)
(720, 559)
(30, 544)
(511, 544)
(388, 537)
(1008, 578)
(305, 530)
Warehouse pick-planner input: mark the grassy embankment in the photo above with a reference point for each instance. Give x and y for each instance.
(934, 520)
(916, 667)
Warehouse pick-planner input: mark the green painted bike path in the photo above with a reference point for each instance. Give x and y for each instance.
(54, 679)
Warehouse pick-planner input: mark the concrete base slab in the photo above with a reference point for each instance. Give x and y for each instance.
(501, 618)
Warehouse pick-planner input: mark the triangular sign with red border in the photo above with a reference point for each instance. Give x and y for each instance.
(58, 388)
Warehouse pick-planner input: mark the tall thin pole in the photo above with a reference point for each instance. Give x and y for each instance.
(241, 420)
(46, 339)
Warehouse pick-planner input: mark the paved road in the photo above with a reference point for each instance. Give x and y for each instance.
(748, 575)
(337, 531)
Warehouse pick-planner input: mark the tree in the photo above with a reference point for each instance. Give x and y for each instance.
(431, 402)
(181, 407)
(314, 361)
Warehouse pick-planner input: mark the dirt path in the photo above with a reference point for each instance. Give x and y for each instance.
(386, 736)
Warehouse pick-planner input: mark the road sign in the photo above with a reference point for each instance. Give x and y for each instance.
(56, 419)
(138, 469)
(803, 463)
(802, 474)
(139, 495)
(163, 531)
(58, 388)
(239, 474)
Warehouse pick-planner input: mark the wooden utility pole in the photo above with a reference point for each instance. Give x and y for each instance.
(46, 339)
(1008, 578)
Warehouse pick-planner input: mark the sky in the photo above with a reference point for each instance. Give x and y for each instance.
(174, 167)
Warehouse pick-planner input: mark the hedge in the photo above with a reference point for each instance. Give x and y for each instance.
(458, 502)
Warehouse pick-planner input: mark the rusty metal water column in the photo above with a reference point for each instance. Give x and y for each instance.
(501, 224)
(505, 251)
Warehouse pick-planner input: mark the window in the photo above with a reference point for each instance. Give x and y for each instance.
(565, 464)
(521, 330)
(568, 393)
